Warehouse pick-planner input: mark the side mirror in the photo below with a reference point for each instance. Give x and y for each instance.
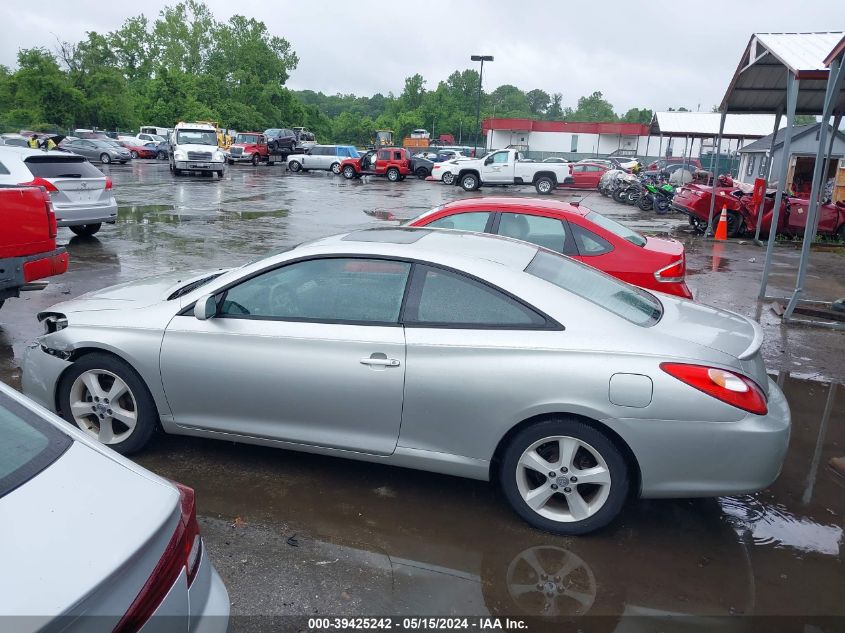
(205, 307)
(489, 161)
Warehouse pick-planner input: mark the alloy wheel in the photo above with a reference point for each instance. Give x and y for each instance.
(103, 406)
(563, 479)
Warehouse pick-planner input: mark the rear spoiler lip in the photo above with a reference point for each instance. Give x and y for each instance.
(756, 343)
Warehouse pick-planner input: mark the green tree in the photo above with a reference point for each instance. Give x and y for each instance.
(593, 108)
(637, 115)
(555, 111)
(538, 101)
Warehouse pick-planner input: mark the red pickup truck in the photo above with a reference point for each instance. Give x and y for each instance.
(249, 147)
(28, 249)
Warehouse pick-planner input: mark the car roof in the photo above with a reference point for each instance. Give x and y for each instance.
(431, 245)
(501, 202)
(26, 152)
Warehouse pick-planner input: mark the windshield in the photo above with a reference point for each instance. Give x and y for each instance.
(617, 229)
(246, 138)
(196, 137)
(157, 138)
(28, 444)
(629, 302)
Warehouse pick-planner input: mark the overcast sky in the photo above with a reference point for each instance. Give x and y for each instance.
(652, 54)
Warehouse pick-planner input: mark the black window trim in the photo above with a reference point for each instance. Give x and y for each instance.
(57, 443)
(414, 293)
(550, 323)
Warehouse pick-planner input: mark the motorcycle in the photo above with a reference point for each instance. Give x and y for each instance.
(657, 196)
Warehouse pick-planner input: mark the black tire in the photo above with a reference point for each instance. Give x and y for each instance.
(255, 160)
(335, 168)
(566, 426)
(422, 173)
(133, 154)
(105, 158)
(294, 165)
(273, 146)
(661, 207)
(177, 172)
(146, 413)
(220, 173)
(393, 175)
(735, 224)
(840, 234)
(2, 301)
(448, 178)
(349, 172)
(469, 182)
(161, 155)
(544, 185)
(619, 195)
(645, 202)
(270, 163)
(86, 230)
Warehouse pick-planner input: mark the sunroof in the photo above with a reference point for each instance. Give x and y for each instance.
(390, 236)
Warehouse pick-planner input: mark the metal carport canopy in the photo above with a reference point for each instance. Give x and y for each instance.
(706, 125)
(760, 81)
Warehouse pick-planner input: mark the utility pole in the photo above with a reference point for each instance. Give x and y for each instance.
(482, 59)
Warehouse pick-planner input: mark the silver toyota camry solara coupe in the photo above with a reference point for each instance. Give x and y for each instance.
(458, 353)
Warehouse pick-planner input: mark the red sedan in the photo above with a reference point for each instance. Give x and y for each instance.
(586, 176)
(138, 151)
(655, 263)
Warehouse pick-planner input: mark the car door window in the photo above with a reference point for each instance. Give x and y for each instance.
(443, 298)
(476, 221)
(549, 233)
(333, 289)
(500, 157)
(588, 243)
(383, 154)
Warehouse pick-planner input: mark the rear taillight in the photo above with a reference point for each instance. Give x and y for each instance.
(674, 272)
(184, 551)
(730, 388)
(108, 183)
(40, 182)
(51, 218)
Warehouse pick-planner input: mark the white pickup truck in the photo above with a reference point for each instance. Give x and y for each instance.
(507, 167)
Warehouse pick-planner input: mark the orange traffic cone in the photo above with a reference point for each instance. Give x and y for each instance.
(722, 227)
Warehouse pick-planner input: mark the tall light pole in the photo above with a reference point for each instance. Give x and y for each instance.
(482, 59)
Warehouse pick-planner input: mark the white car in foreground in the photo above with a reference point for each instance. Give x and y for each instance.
(93, 542)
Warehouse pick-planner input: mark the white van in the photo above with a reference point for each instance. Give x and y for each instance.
(194, 148)
(164, 132)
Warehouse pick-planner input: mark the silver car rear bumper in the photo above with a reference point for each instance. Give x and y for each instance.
(74, 215)
(708, 459)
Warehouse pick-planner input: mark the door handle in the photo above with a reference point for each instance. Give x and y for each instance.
(380, 362)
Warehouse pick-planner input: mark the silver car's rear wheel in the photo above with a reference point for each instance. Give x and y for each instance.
(564, 476)
(335, 168)
(106, 398)
(103, 406)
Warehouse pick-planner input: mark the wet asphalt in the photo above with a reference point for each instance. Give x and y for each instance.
(297, 534)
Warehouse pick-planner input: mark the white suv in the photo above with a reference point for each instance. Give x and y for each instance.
(194, 148)
(81, 194)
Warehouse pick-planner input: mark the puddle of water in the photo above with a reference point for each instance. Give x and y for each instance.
(779, 551)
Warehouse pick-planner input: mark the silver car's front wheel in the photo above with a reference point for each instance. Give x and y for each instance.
(103, 406)
(106, 398)
(564, 476)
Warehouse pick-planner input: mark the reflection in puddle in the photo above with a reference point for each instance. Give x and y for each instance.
(550, 580)
(775, 525)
